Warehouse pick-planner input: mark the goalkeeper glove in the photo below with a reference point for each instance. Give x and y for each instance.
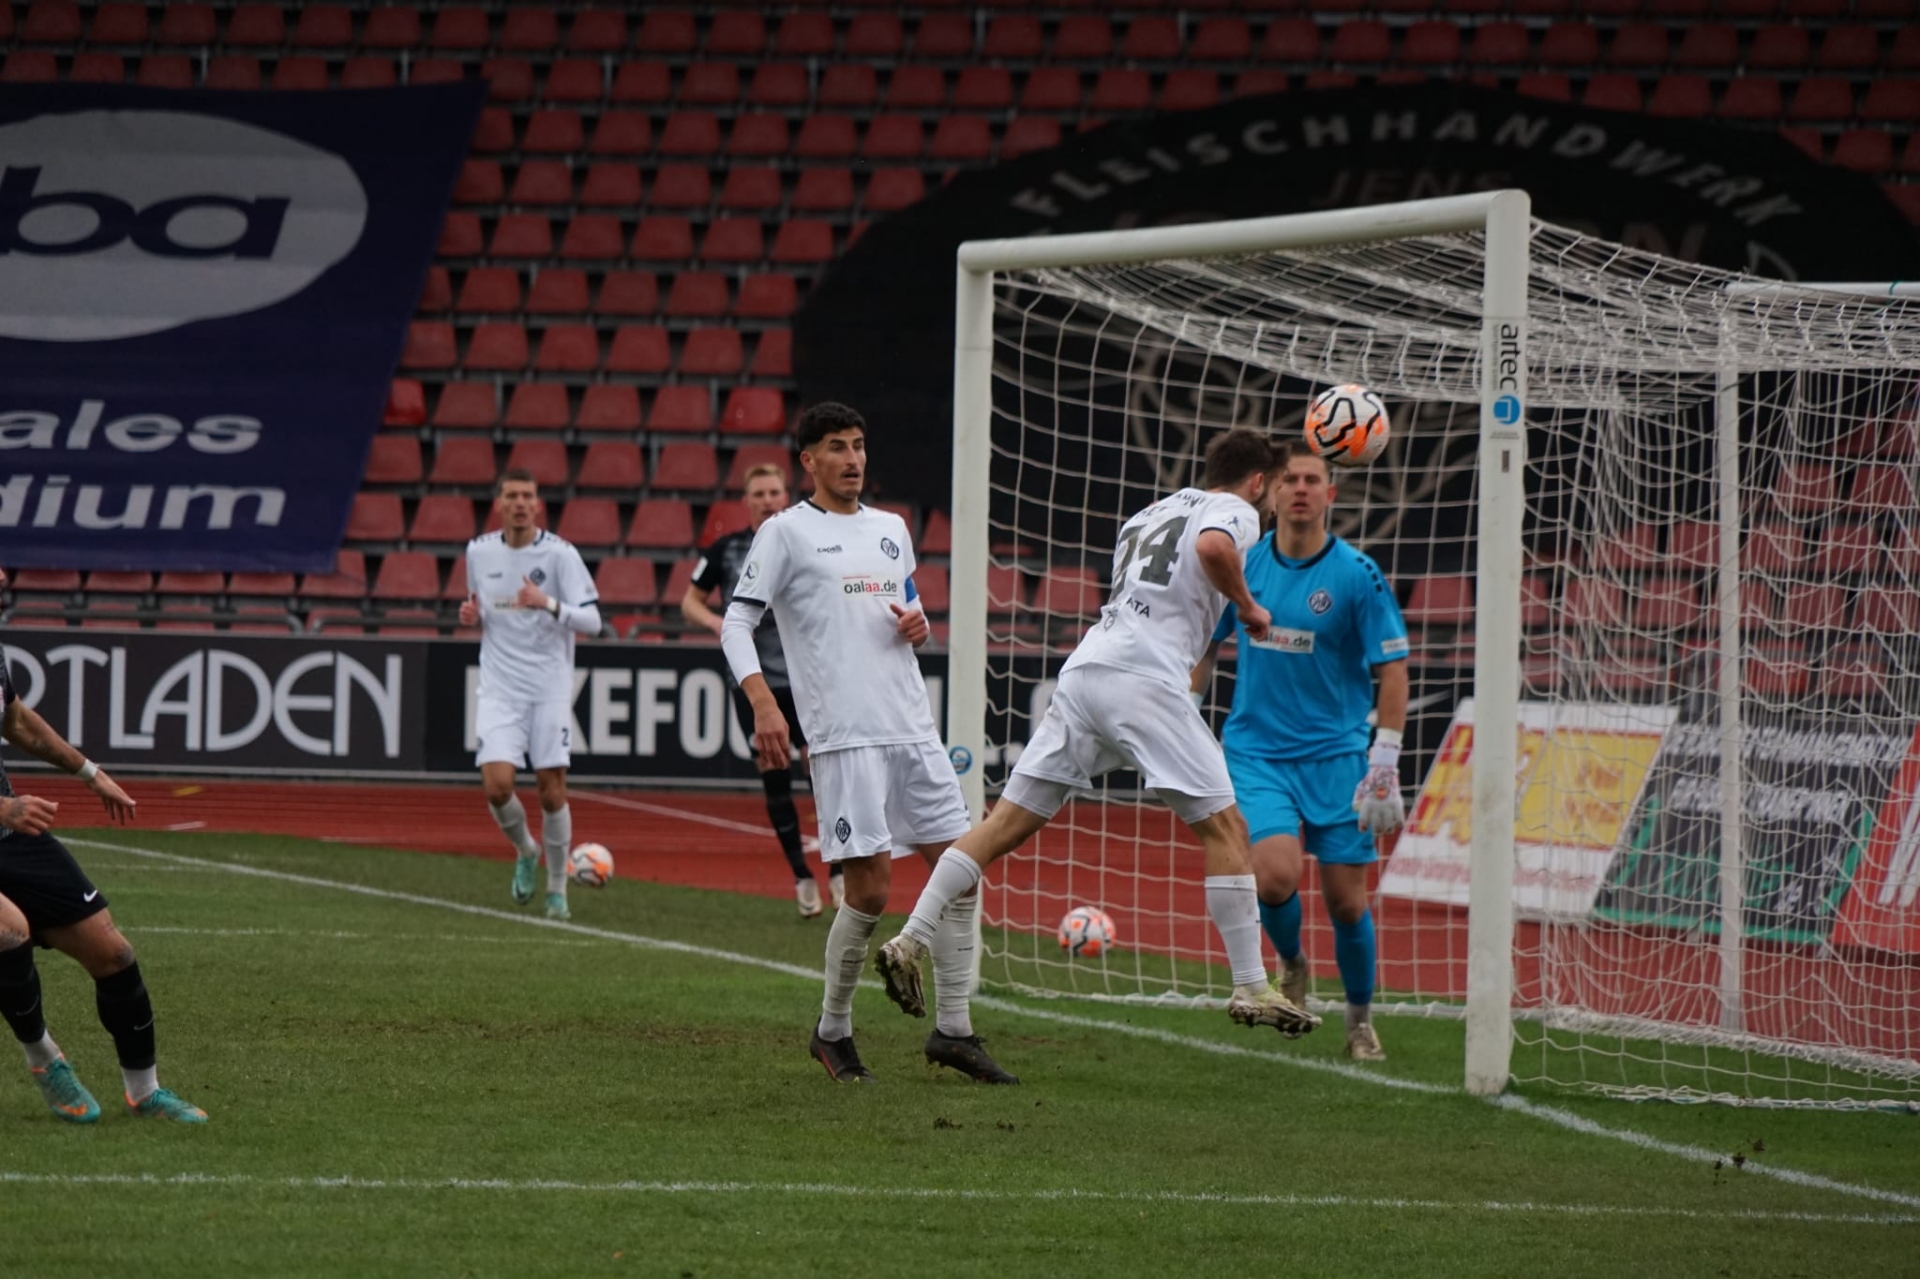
(1377, 799)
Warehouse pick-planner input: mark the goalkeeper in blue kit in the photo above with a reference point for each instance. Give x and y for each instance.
(1297, 738)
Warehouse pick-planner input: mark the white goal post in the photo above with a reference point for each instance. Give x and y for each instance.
(1505, 217)
(1605, 588)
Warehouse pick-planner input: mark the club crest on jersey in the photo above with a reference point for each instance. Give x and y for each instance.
(1319, 602)
(859, 585)
(538, 576)
(888, 545)
(842, 831)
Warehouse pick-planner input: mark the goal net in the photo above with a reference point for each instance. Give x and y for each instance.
(1718, 562)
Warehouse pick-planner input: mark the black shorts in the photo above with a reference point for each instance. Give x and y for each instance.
(40, 876)
(781, 694)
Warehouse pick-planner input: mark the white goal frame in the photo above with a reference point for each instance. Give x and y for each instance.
(1505, 217)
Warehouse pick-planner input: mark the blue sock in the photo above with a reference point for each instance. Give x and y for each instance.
(1353, 950)
(1282, 923)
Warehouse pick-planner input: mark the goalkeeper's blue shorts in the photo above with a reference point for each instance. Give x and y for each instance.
(1310, 799)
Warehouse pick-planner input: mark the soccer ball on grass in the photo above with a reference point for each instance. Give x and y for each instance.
(1087, 931)
(590, 865)
(1347, 425)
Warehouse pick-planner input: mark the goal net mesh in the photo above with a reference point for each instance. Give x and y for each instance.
(1110, 380)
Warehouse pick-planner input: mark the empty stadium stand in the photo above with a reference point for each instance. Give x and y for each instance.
(651, 193)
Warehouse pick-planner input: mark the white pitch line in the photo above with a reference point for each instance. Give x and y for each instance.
(1512, 1104)
(1200, 1198)
(144, 929)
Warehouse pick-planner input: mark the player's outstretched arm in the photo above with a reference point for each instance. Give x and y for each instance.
(1220, 560)
(24, 728)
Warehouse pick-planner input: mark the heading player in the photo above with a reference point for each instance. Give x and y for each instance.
(1122, 702)
(839, 578)
(46, 898)
(1296, 740)
(530, 594)
(714, 576)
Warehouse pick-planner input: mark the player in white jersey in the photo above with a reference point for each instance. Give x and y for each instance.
(1122, 701)
(530, 594)
(839, 578)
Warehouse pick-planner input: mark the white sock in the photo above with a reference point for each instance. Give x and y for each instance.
(846, 960)
(954, 876)
(1236, 914)
(42, 1054)
(140, 1083)
(953, 967)
(512, 820)
(556, 837)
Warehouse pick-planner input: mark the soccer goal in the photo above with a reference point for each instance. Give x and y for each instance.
(1653, 527)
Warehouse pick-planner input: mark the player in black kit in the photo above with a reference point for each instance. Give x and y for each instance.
(46, 899)
(718, 570)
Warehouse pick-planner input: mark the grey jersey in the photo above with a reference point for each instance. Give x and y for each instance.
(719, 569)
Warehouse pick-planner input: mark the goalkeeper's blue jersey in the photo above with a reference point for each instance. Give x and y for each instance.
(1306, 690)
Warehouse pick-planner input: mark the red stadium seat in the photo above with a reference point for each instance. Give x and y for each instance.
(1431, 44)
(1122, 89)
(753, 410)
(391, 28)
(1218, 40)
(234, 71)
(529, 31)
(682, 410)
(682, 186)
(944, 35)
(406, 403)
(1708, 45)
(1361, 42)
(767, 297)
(750, 188)
(890, 190)
(1668, 604)
(622, 133)
(522, 235)
(1441, 601)
(459, 234)
(930, 580)
(1549, 87)
(916, 88)
(623, 581)
(1012, 36)
(804, 35)
(737, 34)
(847, 84)
(29, 66)
(875, 35)
(1887, 611)
(1151, 39)
(826, 137)
(823, 191)
(460, 28)
(497, 345)
(983, 89)
(712, 353)
(893, 137)
(661, 524)
(1848, 49)
(183, 22)
(97, 68)
(480, 182)
(690, 133)
(323, 26)
(773, 355)
(1751, 98)
(598, 31)
(610, 184)
(542, 182)
(1681, 96)
(590, 521)
(1773, 549)
(687, 465)
(558, 291)
(1822, 98)
(609, 408)
(697, 294)
(723, 518)
(568, 348)
(174, 582)
(124, 581)
(1291, 40)
(259, 584)
(1570, 44)
(642, 82)
(165, 71)
(305, 73)
(430, 345)
(1069, 592)
(667, 31)
(1029, 133)
(347, 581)
(115, 23)
(629, 293)
(710, 84)
(546, 459)
(1083, 37)
(1882, 487)
(591, 237)
(394, 459)
(759, 134)
(779, 84)
(1866, 150)
(537, 406)
(1847, 550)
(611, 464)
(1049, 89)
(639, 348)
(463, 460)
(1896, 101)
(1613, 93)
(1189, 89)
(1638, 45)
(407, 575)
(965, 138)
(467, 406)
(662, 238)
(749, 456)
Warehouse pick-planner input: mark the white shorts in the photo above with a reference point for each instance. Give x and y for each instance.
(511, 732)
(1101, 719)
(872, 799)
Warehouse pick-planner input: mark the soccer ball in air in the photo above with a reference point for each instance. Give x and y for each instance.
(1088, 931)
(591, 865)
(1347, 425)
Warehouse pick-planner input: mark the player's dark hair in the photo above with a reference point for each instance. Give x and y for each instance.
(1235, 456)
(1299, 448)
(823, 419)
(519, 473)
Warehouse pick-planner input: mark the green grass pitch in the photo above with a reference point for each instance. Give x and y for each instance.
(399, 1086)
